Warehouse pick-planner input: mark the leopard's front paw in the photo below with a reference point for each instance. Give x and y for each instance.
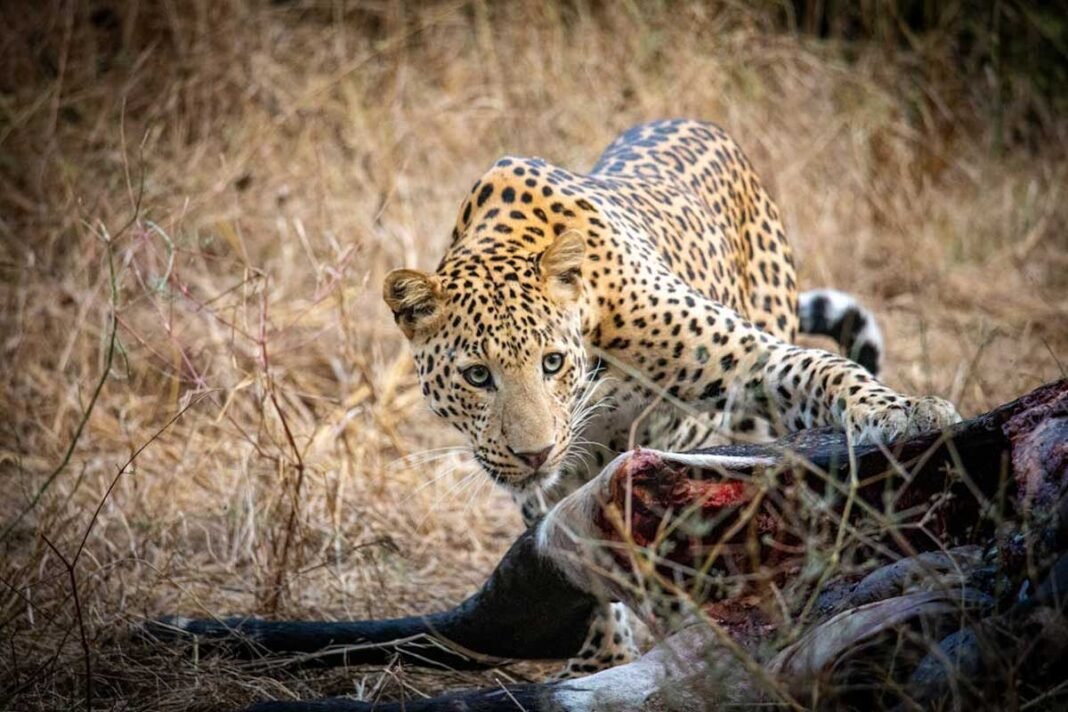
(931, 413)
(901, 419)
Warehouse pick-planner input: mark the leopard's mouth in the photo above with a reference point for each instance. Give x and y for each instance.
(522, 482)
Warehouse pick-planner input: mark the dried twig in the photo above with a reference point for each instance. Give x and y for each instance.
(86, 653)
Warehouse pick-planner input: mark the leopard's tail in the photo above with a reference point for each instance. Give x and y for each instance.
(829, 312)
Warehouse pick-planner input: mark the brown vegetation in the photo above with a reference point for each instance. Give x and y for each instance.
(198, 202)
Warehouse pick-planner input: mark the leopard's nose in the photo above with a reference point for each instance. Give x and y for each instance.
(536, 458)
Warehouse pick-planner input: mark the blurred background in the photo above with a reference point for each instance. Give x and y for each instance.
(207, 410)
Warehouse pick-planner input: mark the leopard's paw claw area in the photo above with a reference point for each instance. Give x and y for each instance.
(916, 415)
(932, 413)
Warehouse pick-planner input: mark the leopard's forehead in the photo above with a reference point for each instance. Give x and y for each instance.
(497, 308)
(496, 302)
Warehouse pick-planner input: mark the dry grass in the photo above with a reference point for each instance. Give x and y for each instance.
(254, 169)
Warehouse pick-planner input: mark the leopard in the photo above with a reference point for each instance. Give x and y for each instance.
(574, 315)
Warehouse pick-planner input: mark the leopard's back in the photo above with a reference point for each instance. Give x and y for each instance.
(708, 215)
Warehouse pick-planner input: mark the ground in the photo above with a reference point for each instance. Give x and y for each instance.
(254, 171)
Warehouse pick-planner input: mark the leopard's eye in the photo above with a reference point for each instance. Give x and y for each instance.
(478, 376)
(552, 363)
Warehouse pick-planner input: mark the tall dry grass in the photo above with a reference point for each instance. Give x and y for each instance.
(199, 201)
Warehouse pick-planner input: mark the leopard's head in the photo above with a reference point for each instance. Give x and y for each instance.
(497, 338)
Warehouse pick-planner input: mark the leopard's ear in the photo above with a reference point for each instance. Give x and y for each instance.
(561, 265)
(415, 298)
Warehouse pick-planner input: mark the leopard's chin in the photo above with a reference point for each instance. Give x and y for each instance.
(540, 480)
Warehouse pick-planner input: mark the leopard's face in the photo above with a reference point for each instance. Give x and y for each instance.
(499, 351)
(511, 387)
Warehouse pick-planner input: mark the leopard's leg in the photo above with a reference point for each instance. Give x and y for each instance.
(696, 431)
(611, 641)
(678, 431)
(706, 355)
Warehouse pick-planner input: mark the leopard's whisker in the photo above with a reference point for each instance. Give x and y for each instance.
(441, 474)
(478, 492)
(424, 456)
(584, 410)
(592, 443)
(461, 484)
(440, 498)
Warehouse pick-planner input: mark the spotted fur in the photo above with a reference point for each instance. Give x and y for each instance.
(568, 303)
